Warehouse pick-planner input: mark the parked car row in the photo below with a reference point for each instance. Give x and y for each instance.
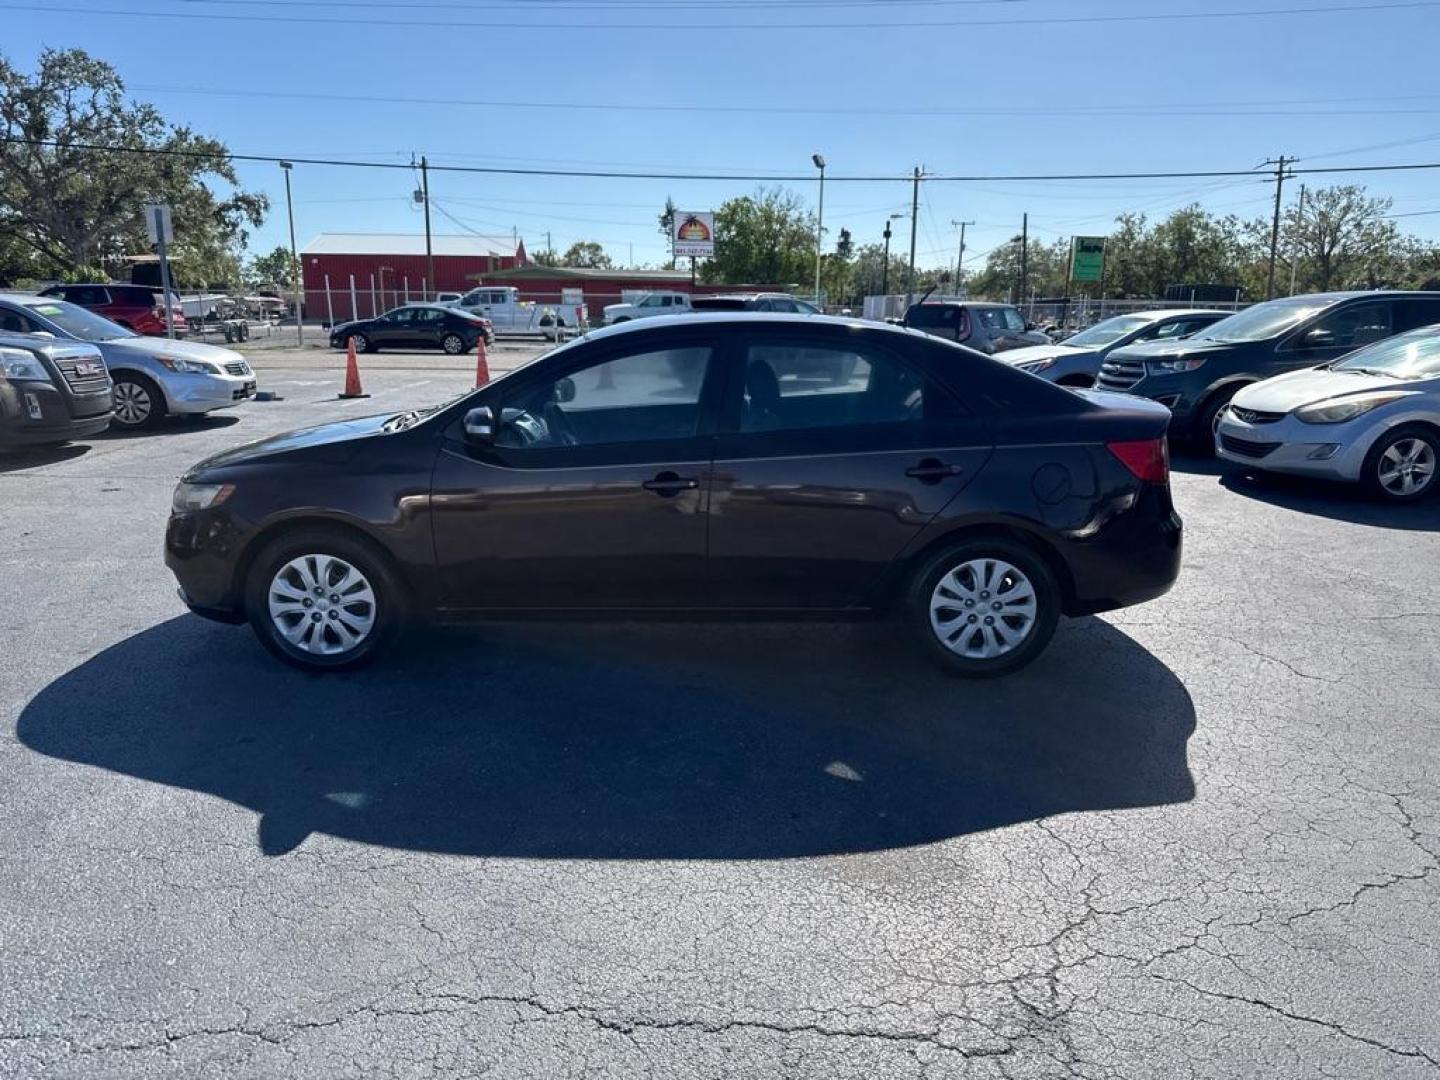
(69, 373)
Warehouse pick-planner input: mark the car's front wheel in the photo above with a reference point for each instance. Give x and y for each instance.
(362, 343)
(139, 403)
(324, 600)
(984, 607)
(453, 344)
(1401, 465)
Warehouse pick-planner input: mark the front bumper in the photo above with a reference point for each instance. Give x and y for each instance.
(206, 393)
(202, 550)
(1326, 451)
(21, 400)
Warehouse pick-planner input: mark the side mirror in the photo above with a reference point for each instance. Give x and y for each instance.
(480, 425)
(1030, 326)
(1317, 338)
(565, 390)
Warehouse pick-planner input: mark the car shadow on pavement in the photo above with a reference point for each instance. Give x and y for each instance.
(1341, 502)
(629, 741)
(1188, 461)
(175, 425)
(37, 457)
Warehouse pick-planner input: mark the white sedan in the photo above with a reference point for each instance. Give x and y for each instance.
(1372, 417)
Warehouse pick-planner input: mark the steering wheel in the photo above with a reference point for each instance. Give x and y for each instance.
(561, 429)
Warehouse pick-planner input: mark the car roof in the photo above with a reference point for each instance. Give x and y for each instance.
(692, 319)
(28, 299)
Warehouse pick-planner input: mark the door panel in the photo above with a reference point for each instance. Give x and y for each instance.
(594, 494)
(838, 457)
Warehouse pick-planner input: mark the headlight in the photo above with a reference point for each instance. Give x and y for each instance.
(15, 364)
(191, 497)
(1036, 366)
(1338, 410)
(1174, 367)
(188, 367)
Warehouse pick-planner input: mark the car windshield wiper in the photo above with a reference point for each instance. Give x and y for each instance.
(400, 421)
(1369, 371)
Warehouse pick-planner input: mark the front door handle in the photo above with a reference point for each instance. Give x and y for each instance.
(933, 470)
(668, 484)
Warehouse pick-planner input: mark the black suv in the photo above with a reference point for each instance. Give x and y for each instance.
(51, 391)
(706, 466)
(1197, 377)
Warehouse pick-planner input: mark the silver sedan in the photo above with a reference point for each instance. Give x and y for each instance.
(154, 377)
(1371, 417)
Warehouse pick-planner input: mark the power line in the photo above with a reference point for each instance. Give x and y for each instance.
(563, 24)
(1196, 174)
(1195, 109)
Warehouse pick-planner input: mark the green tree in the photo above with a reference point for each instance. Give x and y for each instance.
(278, 267)
(78, 210)
(1045, 270)
(763, 239)
(586, 255)
(666, 222)
(1343, 239)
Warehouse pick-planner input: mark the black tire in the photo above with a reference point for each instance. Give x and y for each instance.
(1207, 418)
(362, 343)
(453, 344)
(1044, 614)
(1416, 435)
(139, 402)
(389, 610)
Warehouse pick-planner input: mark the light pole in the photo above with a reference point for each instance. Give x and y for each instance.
(819, 161)
(295, 267)
(885, 272)
(960, 259)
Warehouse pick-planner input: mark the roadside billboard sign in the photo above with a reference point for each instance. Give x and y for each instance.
(694, 234)
(1087, 258)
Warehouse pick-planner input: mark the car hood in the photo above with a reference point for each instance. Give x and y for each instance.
(292, 442)
(1295, 389)
(1032, 353)
(1154, 350)
(152, 347)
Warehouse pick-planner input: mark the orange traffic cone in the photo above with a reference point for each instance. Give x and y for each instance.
(482, 364)
(352, 374)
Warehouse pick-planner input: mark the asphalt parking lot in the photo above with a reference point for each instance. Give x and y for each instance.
(1197, 838)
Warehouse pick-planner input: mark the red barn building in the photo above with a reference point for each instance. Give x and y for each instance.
(389, 269)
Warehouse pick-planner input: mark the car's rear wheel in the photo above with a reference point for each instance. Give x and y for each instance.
(984, 607)
(1401, 466)
(453, 344)
(324, 600)
(139, 403)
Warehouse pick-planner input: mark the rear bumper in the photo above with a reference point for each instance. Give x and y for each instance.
(1127, 555)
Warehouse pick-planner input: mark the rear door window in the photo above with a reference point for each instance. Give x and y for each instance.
(88, 295)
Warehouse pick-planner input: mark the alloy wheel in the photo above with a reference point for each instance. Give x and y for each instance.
(1407, 466)
(132, 404)
(362, 343)
(453, 345)
(983, 609)
(322, 604)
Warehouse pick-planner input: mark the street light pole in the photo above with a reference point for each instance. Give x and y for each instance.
(885, 271)
(295, 267)
(429, 251)
(960, 259)
(819, 161)
(914, 224)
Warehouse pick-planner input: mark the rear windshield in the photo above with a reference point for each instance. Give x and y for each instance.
(922, 315)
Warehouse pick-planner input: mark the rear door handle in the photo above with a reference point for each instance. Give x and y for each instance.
(933, 470)
(668, 484)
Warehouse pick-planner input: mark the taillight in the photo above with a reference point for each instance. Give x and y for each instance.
(1149, 459)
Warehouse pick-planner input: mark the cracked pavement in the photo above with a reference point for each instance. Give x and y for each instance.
(1199, 838)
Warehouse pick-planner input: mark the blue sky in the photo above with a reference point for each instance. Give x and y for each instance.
(1011, 89)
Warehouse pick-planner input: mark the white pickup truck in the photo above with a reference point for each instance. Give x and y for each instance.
(505, 310)
(653, 303)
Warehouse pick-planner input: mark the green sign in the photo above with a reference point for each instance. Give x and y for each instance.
(1087, 258)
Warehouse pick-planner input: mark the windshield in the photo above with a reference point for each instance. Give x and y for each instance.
(1107, 332)
(78, 322)
(1415, 355)
(1264, 321)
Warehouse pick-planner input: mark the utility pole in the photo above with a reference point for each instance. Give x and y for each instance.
(1024, 257)
(429, 251)
(1279, 164)
(819, 161)
(1294, 253)
(960, 258)
(885, 271)
(914, 223)
(295, 267)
